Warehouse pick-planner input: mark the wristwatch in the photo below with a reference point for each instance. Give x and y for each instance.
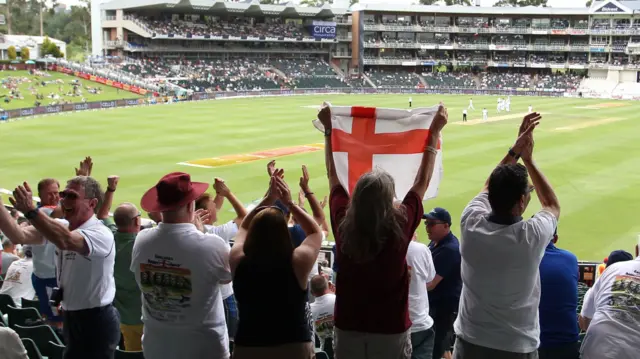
(31, 214)
(513, 154)
(327, 132)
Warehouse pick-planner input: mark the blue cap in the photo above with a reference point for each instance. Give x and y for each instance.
(438, 214)
(619, 256)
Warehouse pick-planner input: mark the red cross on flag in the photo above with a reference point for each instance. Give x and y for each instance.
(364, 138)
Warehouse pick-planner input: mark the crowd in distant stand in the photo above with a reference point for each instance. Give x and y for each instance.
(505, 289)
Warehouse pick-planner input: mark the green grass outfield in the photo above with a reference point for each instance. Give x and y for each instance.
(591, 156)
(108, 93)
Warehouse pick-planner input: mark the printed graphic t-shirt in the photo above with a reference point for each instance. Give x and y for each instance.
(614, 308)
(179, 271)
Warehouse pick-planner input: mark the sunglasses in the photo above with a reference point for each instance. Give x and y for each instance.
(68, 195)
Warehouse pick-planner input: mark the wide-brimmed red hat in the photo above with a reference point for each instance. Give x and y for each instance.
(172, 192)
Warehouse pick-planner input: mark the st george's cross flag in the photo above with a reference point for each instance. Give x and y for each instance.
(364, 138)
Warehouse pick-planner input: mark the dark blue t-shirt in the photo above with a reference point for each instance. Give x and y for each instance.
(297, 235)
(446, 260)
(558, 298)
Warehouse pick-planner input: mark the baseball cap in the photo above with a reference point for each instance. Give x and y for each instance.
(438, 214)
(619, 256)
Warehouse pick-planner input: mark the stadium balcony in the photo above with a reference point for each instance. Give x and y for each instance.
(558, 82)
(460, 80)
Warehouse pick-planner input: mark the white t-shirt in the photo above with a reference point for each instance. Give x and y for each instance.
(227, 232)
(179, 270)
(322, 313)
(614, 306)
(44, 260)
(10, 345)
(87, 281)
(464, 112)
(410, 99)
(484, 113)
(530, 109)
(17, 282)
(501, 278)
(422, 271)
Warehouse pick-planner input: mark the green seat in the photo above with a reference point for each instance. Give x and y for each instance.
(56, 350)
(41, 335)
(32, 349)
(5, 301)
(26, 303)
(23, 317)
(120, 354)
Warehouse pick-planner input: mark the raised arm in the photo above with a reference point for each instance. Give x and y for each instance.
(112, 185)
(325, 118)
(17, 234)
(237, 251)
(306, 254)
(546, 194)
(515, 152)
(224, 191)
(425, 171)
(316, 207)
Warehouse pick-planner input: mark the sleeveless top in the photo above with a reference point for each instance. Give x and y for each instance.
(272, 308)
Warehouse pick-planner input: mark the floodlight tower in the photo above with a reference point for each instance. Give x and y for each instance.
(96, 28)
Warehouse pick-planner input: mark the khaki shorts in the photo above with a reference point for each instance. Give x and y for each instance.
(358, 345)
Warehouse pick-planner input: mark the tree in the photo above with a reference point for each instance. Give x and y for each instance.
(24, 53)
(315, 3)
(11, 52)
(270, 2)
(428, 2)
(589, 2)
(353, 2)
(521, 3)
(50, 48)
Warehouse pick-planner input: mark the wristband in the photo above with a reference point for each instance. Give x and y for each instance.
(327, 132)
(110, 190)
(31, 214)
(432, 150)
(513, 154)
(306, 194)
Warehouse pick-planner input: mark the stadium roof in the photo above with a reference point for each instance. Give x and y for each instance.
(615, 7)
(248, 8)
(458, 9)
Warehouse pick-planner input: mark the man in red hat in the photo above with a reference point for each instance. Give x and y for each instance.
(180, 270)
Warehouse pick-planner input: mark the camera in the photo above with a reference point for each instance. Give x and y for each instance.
(56, 297)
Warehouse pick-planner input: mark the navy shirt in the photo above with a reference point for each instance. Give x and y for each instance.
(446, 260)
(297, 235)
(558, 298)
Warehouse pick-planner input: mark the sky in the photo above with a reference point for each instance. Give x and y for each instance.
(552, 3)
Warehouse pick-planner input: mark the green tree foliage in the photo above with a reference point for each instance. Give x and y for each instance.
(71, 25)
(11, 53)
(25, 53)
(521, 3)
(50, 48)
(589, 2)
(315, 3)
(353, 2)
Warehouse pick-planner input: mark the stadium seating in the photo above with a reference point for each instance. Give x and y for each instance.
(505, 81)
(384, 78)
(449, 80)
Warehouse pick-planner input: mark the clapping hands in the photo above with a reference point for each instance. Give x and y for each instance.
(525, 143)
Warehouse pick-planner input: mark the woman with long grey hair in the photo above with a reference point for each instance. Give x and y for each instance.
(372, 236)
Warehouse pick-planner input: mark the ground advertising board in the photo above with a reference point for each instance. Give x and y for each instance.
(97, 105)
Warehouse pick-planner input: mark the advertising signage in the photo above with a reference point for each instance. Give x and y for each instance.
(323, 30)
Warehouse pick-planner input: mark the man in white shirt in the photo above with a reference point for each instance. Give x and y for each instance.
(11, 346)
(530, 110)
(225, 231)
(422, 270)
(17, 282)
(180, 270)
(85, 259)
(507, 104)
(464, 115)
(610, 313)
(500, 105)
(470, 105)
(485, 114)
(8, 255)
(322, 308)
(501, 255)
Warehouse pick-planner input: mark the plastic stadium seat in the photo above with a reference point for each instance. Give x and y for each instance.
(26, 303)
(41, 335)
(321, 355)
(128, 355)
(32, 349)
(55, 350)
(5, 301)
(22, 316)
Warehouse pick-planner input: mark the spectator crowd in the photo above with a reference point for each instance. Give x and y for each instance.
(256, 286)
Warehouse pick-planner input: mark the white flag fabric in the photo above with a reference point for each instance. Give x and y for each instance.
(364, 138)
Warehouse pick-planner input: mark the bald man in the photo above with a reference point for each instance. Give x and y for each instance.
(127, 300)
